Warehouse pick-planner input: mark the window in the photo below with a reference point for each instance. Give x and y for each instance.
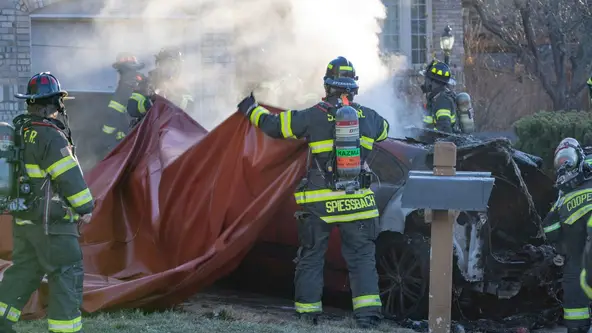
(386, 166)
(391, 29)
(419, 22)
(406, 29)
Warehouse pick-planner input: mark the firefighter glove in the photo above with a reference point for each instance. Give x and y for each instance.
(247, 104)
(85, 219)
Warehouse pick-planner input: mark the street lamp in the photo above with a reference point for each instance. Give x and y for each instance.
(446, 42)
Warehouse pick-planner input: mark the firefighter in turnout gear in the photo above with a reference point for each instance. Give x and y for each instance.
(115, 122)
(128, 68)
(565, 227)
(336, 190)
(440, 111)
(45, 235)
(164, 80)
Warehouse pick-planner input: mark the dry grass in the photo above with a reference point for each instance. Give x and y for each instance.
(225, 319)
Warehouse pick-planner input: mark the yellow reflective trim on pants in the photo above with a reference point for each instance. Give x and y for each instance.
(286, 124)
(140, 99)
(74, 325)
(589, 81)
(256, 115)
(366, 301)
(13, 314)
(351, 217)
(80, 198)
(308, 307)
(552, 227)
(323, 146)
(366, 142)
(585, 287)
(35, 171)
(120, 135)
(578, 214)
(18, 221)
(3, 308)
(428, 120)
(443, 113)
(576, 314)
(117, 106)
(327, 194)
(61, 166)
(384, 134)
(108, 129)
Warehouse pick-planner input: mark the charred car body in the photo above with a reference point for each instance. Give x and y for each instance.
(498, 255)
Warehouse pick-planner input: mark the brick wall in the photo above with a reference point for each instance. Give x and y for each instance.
(15, 55)
(449, 12)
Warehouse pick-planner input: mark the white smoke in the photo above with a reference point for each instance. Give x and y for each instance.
(278, 48)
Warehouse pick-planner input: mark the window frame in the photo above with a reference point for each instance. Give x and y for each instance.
(402, 166)
(404, 32)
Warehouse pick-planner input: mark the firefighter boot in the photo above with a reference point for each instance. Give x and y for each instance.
(309, 318)
(367, 322)
(6, 329)
(581, 329)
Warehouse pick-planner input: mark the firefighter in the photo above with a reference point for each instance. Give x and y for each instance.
(165, 81)
(565, 227)
(327, 197)
(116, 123)
(45, 235)
(440, 110)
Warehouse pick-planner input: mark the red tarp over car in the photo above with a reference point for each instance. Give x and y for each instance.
(176, 209)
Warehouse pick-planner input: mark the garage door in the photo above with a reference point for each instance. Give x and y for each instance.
(80, 49)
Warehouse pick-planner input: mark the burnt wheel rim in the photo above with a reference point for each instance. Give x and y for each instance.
(401, 280)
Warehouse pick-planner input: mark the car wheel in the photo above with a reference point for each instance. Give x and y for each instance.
(403, 263)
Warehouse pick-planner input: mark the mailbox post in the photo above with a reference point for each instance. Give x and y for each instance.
(443, 193)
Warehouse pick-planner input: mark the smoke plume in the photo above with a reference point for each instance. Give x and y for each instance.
(277, 48)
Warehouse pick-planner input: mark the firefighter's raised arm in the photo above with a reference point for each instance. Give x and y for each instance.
(286, 125)
(57, 160)
(138, 103)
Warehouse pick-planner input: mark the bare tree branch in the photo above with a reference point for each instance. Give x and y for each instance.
(550, 37)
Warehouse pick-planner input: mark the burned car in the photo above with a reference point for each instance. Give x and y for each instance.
(497, 255)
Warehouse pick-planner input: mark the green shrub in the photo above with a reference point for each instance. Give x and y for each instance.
(540, 133)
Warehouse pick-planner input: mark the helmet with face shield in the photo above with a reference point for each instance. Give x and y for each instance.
(568, 162)
(568, 154)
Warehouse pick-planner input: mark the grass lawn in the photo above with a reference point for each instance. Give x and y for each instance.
(226, 321)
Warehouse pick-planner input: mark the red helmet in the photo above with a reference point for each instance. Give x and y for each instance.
(127, 59)
(41, 86)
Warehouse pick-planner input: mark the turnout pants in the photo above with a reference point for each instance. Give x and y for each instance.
(576, 312)
(35, 254)
(358, 250)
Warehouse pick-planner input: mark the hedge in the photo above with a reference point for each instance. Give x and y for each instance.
(539, 134)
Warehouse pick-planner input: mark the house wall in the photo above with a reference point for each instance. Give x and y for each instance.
(449, 12)
(15, 44)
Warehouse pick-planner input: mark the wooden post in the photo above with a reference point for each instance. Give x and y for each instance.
(442, 222)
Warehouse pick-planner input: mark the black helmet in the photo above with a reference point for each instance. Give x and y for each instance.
(568, 154)
(127, 59)
(438, 71)
(341, 74)
(168, 54)
(41, 86)
(169, 62)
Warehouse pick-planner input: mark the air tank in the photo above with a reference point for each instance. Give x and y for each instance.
(466, 113)
(7, 175)
(347, 143)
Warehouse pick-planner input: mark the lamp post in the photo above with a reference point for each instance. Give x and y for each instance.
(446, 43)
